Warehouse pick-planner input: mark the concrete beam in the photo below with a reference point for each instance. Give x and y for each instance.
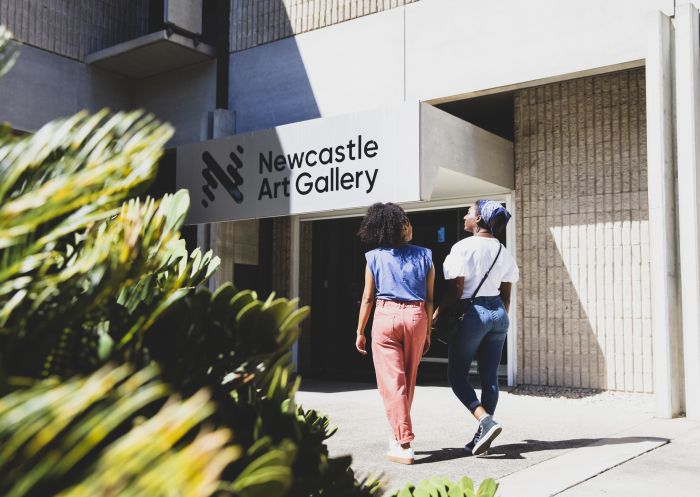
(458, 159)
(151, 54)
(687, 67)
(666, 333)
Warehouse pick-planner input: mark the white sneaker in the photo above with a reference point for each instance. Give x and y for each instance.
(398, 454)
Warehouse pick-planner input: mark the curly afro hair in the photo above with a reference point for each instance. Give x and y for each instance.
(383, 225)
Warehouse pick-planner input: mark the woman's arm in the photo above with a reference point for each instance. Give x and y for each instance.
(365, 309)
(505, 293)
(451, 296)
(429, 286)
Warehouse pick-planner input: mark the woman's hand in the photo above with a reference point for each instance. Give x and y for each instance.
(360, 344)
(426, 345)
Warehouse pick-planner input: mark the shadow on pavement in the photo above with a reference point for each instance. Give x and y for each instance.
(444, 454)
(516, 451)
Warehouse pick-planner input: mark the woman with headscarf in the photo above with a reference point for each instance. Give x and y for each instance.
(399, 276)
(481, 272)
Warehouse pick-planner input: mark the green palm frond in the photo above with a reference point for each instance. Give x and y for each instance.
(8, 54)
(442, 486)
(69, 176)
(75, 171)
(90, 273)
(228, 339)
(70, 244)
(269, 474)
(78, 437)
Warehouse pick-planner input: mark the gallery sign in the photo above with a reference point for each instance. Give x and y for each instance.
(331, 163)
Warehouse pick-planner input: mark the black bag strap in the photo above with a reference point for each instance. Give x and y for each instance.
(500, 246)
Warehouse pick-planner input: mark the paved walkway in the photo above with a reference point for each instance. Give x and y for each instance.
(553, 440)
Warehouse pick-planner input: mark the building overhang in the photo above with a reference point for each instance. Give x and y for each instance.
(151, 54)
(411, 152)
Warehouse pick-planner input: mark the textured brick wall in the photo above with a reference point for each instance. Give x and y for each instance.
(74, 28)
(581, 187)
(256, 22)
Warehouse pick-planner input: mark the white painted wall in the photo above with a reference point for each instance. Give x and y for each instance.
(687, 93)
(434, 49)
(349, 67)
(462, 46)
(357, 65)
(665, 316)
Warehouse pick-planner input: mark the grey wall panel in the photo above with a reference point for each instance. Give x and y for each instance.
(269, 87)
(43, 86)
(180, 97)
(101, 89)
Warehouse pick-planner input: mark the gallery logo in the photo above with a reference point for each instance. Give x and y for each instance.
(230, 178)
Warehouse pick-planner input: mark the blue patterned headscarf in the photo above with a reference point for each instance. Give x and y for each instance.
(490, 210)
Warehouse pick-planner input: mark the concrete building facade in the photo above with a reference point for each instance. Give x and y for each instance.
(599, 100)
(583, 231)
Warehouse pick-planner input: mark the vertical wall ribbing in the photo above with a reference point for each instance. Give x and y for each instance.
(74, 28)
(584, 308)
(256, 22)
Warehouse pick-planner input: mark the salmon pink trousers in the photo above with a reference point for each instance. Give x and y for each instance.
(398, 338)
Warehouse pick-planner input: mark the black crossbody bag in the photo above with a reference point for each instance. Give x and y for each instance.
(448, 322)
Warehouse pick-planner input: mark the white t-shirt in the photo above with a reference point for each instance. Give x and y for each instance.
(472, 257)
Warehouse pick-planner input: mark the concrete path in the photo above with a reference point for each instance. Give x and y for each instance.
(552, 440)
(673, 469)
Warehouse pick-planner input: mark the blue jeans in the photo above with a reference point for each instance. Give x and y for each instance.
(481, 336)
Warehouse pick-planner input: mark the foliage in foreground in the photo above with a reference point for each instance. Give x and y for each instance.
(120, 376)
(49, 431)
(442, 487)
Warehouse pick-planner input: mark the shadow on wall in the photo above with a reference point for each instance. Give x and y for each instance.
(583, 234)
(607, 277)
(269, 85)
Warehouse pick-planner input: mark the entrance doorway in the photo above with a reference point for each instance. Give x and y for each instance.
(338, 280)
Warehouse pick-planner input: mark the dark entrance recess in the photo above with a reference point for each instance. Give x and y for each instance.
(338, 280)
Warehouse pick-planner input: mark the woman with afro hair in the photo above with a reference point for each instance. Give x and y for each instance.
(400, 278)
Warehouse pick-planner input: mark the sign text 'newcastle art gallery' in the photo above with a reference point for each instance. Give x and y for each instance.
(319, 165)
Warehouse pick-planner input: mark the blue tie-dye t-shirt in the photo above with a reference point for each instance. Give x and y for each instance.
(400, 273)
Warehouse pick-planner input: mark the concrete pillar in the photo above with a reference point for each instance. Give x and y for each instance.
(687, 74)
(216, 124)
(294, 256)
(666, 326)
(511, 239)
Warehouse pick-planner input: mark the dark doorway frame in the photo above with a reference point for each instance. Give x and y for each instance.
(509, 373)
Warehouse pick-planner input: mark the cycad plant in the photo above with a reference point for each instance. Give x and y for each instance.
(50, 431)
(119, 376)
(119, 373)
(442, 487)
